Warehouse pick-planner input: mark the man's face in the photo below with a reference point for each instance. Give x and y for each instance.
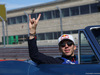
(67, 48)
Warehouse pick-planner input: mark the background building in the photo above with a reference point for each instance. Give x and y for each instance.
(77, 14)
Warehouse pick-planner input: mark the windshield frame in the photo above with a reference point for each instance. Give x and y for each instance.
(93, 40)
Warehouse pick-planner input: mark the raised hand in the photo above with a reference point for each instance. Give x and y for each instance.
(33, 24)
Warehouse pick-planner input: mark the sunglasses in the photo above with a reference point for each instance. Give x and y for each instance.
(69, 43)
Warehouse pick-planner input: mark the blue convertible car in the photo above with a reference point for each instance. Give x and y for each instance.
(88, 59)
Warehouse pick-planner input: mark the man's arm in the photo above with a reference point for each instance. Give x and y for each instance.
(35, 55)
(38, 57)
(33, 50)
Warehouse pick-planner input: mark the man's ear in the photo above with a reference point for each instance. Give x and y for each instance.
(74, 47)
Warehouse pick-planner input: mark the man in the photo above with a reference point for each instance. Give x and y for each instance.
(66, 47)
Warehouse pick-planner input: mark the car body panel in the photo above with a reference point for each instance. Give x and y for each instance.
(23, 68)
(16, 68)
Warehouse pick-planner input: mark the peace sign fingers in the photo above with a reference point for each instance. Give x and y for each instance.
(38, 18)
(33, 23)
